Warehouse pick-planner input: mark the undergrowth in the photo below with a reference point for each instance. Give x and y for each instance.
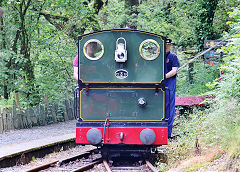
(188, 128)
(218, 126)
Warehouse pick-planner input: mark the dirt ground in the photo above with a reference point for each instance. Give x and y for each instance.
(212, 159)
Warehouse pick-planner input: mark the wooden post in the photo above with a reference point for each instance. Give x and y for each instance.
(190, 72)
(67, 107)
(10, 119)
(20, 115)
(42, 114)
(4, 114)
(48, 116)
(37, 114)
(16, 97)
(51, 113)
(64, 112)
(25, 119)
(28, 118)
(190, 65)
(16, 117)
(33, 117)
(70, 109)
(1, 121)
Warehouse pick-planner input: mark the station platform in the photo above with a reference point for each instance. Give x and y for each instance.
(16, 144)
(11, 150)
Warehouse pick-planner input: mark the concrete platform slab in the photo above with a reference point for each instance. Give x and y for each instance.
(10, 150)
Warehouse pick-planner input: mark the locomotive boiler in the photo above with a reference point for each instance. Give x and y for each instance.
(120, 99)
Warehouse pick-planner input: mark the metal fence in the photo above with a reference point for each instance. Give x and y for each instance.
(15, 118)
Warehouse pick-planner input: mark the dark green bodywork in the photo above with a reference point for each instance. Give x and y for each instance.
(115, 103)
(121, 104)
(139, 69)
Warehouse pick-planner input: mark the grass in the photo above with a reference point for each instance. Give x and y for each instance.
(217, 127)
(197, 167)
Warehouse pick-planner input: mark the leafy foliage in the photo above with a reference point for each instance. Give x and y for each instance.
(201, 74)
(37, 50)
(37, 47)
(226, 109)
(113, 15)
(219, 125)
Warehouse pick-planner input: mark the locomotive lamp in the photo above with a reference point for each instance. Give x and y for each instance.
(121, 52)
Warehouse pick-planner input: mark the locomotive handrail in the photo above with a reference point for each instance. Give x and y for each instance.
(169, 94)
(105, 124)
(76, 103)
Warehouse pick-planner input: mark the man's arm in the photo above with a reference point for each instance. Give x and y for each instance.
(75, 73)
(172, 73)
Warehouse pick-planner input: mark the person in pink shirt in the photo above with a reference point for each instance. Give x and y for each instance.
(91, 49)
(75, 68)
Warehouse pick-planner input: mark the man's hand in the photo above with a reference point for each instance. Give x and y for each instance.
(172, 73)
(75, 73)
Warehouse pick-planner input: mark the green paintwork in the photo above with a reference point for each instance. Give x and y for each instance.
(121, 104)
(139, 69)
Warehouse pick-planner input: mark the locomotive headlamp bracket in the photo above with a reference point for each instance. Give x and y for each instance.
(121, 52)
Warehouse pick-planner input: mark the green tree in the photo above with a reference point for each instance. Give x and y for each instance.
(16, 54)
(205, 16)
(37, 35)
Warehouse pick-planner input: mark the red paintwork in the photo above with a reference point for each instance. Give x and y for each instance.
(189, 101)
(131, 135)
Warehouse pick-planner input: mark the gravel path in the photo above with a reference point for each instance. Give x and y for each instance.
(34, 133)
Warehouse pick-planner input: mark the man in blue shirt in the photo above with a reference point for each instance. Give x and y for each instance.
(172, 64)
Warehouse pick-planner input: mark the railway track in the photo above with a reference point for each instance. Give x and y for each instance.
(142, 167)
(87, 161)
